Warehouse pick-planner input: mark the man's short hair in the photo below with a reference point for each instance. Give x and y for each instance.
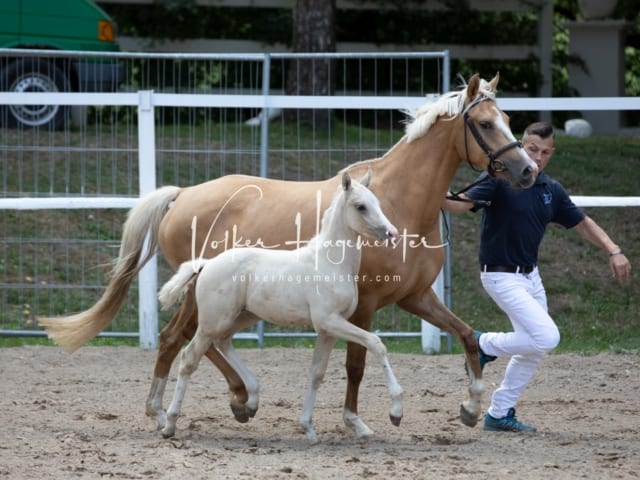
(541, 129)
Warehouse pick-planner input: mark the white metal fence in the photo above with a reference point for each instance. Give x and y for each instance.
(180, 119)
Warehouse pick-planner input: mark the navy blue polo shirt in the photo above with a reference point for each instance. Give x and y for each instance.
(513, 225)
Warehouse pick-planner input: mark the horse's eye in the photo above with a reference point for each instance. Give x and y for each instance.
(361, 208)
(486, 125)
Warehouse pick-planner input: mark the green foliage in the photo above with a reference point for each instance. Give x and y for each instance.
(632, 75)
(183, 19)
(402, 24)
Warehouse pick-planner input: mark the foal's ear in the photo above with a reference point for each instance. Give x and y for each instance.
(366, 180)
(346, 181)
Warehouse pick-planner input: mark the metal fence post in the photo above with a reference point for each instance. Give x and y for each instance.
(430, 334)
(264, 117)
(264, 149)
(148, 276)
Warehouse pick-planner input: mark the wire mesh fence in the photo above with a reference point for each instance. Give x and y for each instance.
(57, 261)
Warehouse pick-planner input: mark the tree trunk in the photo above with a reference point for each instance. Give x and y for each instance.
(313, 31)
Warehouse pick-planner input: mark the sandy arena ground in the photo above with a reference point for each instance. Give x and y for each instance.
(82, 416)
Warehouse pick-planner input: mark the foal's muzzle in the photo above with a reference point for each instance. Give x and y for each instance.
(389, 233)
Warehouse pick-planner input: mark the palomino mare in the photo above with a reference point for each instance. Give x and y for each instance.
(410, 181)
(315, 284)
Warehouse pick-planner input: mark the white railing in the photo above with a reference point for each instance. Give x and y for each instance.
(147, 100)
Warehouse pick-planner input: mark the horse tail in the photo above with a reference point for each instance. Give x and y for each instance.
(178, 284)
(73, 331)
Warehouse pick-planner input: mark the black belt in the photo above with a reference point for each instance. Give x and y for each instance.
(507, 268)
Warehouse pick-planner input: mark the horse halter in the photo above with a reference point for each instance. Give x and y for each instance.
(495, 165)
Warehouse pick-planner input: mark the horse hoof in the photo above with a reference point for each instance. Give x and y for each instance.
(161, 420)
(312, 437)
(168, 432)
(467, 418)
(395, 420)
(240, 413)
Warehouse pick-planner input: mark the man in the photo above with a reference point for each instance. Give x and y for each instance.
(512, 228)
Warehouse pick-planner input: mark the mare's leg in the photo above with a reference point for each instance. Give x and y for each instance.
(321, 355)
(222, 342)
(237, 392)
(427, 305)
(171, 341)
(189, 361)
(355, 364)
(181, 328)
(338, 326)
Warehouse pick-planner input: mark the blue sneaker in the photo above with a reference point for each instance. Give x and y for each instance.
(509, 423)
(484, 358)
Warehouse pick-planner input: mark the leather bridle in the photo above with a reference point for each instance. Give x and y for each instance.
(495, 165)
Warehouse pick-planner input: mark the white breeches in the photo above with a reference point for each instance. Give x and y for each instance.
(523, 299)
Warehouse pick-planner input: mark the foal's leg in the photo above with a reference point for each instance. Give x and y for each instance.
(181, 328)
(427, 305)
(338, 326)
(321, 355)
(355, 364)
(237, 392)
(189, 361)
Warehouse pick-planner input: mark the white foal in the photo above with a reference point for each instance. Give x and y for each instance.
(315, 284)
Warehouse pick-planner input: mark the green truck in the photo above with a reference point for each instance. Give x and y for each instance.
(69, 25)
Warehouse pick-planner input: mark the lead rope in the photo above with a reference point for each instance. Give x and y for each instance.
(456, 197)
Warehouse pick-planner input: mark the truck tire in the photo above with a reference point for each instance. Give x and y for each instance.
(34, 75)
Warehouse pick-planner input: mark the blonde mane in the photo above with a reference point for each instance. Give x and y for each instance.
(421, 119)
(450, 104)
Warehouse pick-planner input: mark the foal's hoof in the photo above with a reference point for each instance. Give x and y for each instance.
(161, 420)
(168, 432)
(312, 436)
(395, 420)
(467, 418)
